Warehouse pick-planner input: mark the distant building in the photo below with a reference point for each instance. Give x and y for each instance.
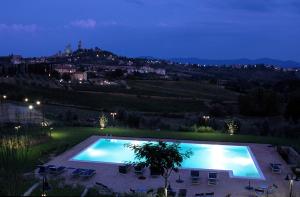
(146, 70)
(65, 68)
(82, 76)
(68, 49)
(79, 45)
(16, 59)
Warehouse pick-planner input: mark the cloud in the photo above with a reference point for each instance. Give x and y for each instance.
(86, 24)
(19, 28)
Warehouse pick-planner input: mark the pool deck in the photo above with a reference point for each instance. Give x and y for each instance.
(108, 174)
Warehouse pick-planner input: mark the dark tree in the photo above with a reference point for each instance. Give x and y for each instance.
(259, 102)
(165, 157)
(292, 110)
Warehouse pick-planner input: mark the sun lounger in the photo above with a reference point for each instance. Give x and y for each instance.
(124, 169)
(195, 176)
(182, 193)
(276, 168)
(57, 170)
(77, 172)
(87, 173)
(210, 194)
(212, 178)
(44, 169)
(259, 192)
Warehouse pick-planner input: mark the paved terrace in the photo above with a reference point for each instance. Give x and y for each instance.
(108, 174)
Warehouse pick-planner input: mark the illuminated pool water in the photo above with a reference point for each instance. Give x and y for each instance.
(238, 160)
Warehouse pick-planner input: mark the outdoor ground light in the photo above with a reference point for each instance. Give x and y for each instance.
(17, 128)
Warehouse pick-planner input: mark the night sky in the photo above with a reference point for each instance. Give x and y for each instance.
(214, 29)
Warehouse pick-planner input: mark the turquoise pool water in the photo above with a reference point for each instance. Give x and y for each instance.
(236, 159)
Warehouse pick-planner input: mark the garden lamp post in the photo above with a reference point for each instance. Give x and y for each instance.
(113, 114)
(17, 128)
(291, 178)
(45, 186)
(3, 98)
(206, 119)
(50, 131)
(39, 104)
(30, 107)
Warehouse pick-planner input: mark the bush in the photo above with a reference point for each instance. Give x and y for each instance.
(202, 129)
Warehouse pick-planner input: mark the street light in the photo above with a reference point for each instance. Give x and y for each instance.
(38, 102)
(26, 100)
(4, 97)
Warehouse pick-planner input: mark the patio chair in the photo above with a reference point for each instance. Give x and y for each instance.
(276, 168)
(182, 193)
(87, 173)
(296, 171)
(210, 194)
(124, 169)
(103, 189)
(272, 189)
(57, 170)
(195, 176)
(259, 192)
(212, 178)
(139, 169)
(199, 195)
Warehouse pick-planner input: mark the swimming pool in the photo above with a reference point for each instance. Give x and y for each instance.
(238, 160)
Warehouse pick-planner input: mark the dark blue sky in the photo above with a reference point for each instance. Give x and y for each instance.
(215, 29)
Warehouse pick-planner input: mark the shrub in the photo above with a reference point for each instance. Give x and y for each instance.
(202, 129)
